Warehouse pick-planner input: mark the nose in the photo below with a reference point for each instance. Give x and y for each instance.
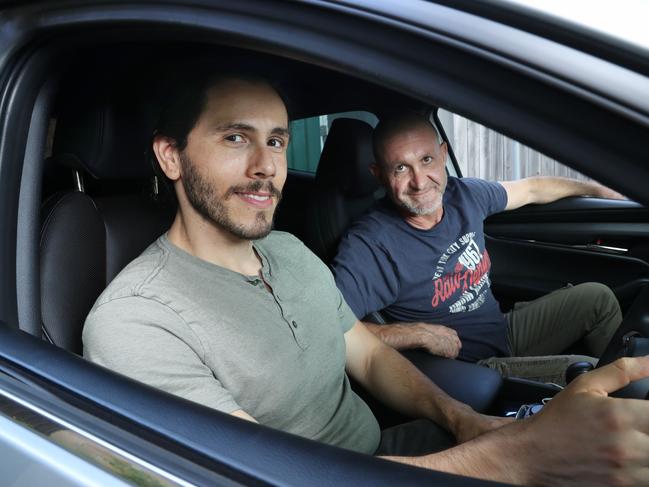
(262, 164)
(418, 179)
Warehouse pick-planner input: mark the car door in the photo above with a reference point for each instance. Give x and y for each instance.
(540, 248)
(406, 47)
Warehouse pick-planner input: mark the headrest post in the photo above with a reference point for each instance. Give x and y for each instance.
(78, 181)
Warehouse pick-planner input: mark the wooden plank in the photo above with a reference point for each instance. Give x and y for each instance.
(486, 154)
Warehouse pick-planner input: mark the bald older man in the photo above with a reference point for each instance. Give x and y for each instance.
(419, 255)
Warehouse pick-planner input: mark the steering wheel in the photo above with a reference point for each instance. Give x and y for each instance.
(631, 339)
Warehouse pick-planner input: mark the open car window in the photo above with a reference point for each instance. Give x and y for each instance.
(482, 152)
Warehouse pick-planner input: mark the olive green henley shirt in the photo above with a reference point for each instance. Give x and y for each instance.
(224, 340)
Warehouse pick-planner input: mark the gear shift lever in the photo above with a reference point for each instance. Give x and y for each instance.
(576, 369)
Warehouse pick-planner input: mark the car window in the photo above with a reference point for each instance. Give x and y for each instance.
(309, 134)
(486, 154)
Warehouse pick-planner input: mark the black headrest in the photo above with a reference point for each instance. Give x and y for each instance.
(105, 131)
(346, 157)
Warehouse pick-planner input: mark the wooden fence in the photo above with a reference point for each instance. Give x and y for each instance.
(486, 154)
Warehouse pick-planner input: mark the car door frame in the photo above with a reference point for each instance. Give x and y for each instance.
(412, 47)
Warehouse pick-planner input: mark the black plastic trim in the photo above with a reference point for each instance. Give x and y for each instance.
(451, 151)
(526, 270)
(576, 210)
(567, 232)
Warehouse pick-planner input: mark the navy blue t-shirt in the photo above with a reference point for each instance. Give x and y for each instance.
(436, 276)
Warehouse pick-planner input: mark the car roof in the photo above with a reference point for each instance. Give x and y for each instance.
(569, 25)
(626, 21)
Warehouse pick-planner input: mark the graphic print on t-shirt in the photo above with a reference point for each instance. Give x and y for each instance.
(465, 287)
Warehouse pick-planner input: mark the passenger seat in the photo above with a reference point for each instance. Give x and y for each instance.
(107, 217)
(344, 187)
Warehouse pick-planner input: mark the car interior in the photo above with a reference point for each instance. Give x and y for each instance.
(100, 205)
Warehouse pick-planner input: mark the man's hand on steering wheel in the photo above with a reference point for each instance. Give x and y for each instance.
(583, 433)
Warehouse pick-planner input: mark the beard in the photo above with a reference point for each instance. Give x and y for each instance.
(421, 210)
(212, 206)
(408, 205)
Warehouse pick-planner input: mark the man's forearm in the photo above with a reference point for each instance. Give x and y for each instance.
(548, 189)
(435, 339)
(483, 456)
(400, 385)
(397, 335)
(545, 189)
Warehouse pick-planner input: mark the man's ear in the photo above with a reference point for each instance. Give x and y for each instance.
(168, 157)
(376, 171)
(443, 151)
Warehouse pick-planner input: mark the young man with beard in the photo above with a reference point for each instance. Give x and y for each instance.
(420, 256)
(226, 313)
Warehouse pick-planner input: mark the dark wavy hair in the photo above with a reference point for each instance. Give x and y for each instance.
(182, 106)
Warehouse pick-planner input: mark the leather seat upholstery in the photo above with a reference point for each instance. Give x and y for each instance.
(344, 186)
(86, 238)
(72, 263)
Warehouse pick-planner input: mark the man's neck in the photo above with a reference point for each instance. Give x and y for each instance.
(423, 222)
(201, 238)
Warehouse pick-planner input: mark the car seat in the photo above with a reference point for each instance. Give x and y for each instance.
(107, 216)
(344, 187)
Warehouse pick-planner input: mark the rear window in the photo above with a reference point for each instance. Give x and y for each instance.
(309, 134)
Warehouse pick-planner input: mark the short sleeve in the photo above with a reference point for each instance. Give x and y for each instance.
(490, 196)
(346, 316)
(149, 342)
(365, 274)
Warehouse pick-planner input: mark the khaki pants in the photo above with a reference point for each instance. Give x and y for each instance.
(540, 329)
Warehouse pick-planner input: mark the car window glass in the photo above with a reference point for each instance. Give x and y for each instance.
(309, 134)
(486, 154)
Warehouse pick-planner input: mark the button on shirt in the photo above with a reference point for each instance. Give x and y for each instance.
(270, 289)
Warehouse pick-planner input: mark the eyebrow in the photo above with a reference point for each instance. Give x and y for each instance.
(281, 131)
(244, 127)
